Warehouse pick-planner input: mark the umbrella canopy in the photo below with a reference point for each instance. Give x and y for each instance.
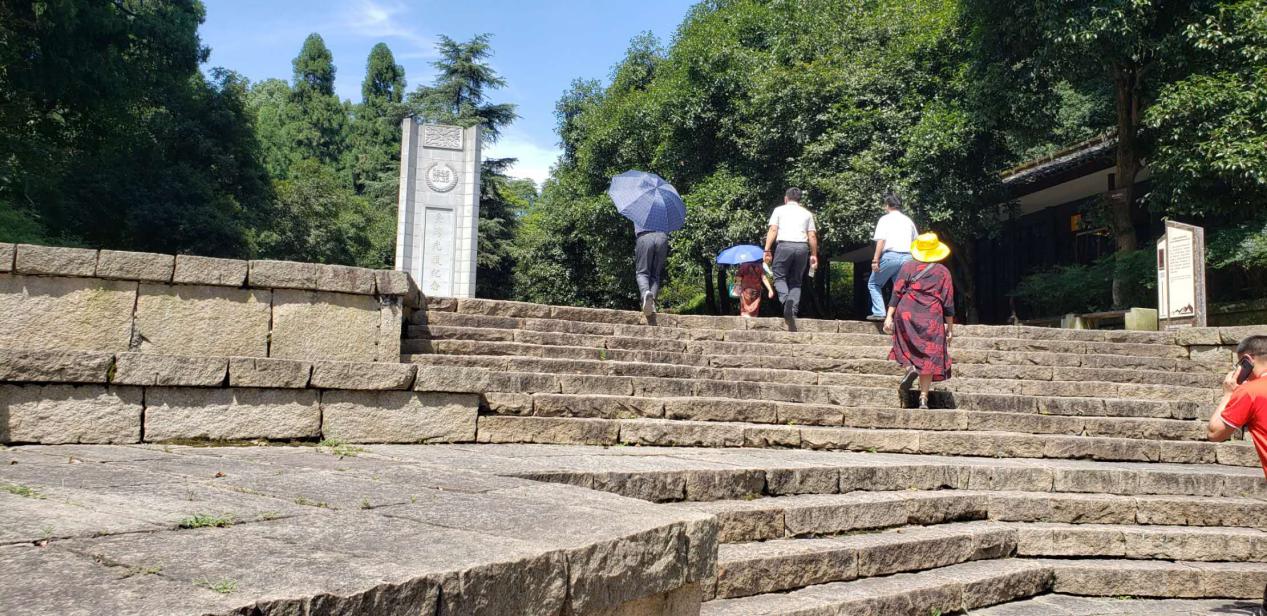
(649, 201)
(743, 253)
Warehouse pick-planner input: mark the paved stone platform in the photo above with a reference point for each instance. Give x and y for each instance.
(541, 529)
(307, 530)
(1067, 605)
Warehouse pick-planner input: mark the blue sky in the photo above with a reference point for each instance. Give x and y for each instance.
(540, 47)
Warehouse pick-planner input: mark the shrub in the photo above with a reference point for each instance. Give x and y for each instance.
(1089, 288)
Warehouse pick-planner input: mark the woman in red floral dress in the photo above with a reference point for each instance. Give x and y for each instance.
(922, 315)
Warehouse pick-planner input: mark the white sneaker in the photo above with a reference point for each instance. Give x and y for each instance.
(648, 303)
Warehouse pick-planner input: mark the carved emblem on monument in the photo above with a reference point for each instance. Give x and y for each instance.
(441, 177)
(440, 136)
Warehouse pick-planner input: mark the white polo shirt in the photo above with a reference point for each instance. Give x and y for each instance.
(794, 221)
(897, 231)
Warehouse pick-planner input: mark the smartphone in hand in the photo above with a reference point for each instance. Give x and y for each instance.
(1245, 368)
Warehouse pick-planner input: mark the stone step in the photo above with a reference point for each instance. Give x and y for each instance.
(945, 590)
(681, 433)
(808, 515)
(597, 316)
(1070, 605)
(648, 379)
(660, 339)
(746, 569)
(683, 474)
(762, 343)
(979, 584)
(969, 363)
(789, 413)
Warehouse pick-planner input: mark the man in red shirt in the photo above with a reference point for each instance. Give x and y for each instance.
(1244, 405)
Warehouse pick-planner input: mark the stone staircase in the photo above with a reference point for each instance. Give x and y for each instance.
(569, 375)
(953, 513)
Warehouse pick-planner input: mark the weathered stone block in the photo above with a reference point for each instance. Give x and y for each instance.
(59, 414)
(589, 384)
(65, 313)
(265, 372)
(266, 274)
(55, 261)
(209, 270)
(124, 265)
(390, 329)
(352, 375)
(230, 414)
(509, 404)
(320, 325)
(196, 320)
(6, 257)
(151, 369)
(550, 430)
(453, 379)
(345, 279)
(1228, 335)
(49, 366)
(501, 308)
(604, 407)
(1213, 356)
(399, 417)
(680, 434)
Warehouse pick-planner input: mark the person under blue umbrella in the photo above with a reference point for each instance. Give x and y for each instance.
(750, 275)
(656, 209)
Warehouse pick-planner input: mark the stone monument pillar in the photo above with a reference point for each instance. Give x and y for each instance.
(438, 219)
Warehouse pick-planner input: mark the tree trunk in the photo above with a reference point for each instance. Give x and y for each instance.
(723, 294)
(710, 304)
(1126, 83)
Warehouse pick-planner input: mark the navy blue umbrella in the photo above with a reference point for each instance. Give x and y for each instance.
(743, 253)
(648, 200)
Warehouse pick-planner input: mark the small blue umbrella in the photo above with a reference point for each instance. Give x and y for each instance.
(743, 253)
(649, 201)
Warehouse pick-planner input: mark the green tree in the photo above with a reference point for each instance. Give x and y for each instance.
(460, 92)
(113, 138)
(315, 120)
(373, 155)
(1210, 128)
(268, 102)
(318, 218)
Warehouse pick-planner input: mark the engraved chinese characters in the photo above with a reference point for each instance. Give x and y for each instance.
(437, 233)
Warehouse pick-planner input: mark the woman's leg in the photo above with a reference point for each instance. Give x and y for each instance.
(925, 382)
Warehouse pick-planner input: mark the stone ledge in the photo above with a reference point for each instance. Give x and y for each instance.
(6, 257)
(54, 261)
(40, 260)
(40, 366)
(191, 269)
(142, 266)
(150, 369)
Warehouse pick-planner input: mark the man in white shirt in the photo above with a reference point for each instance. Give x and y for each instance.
(893, 236)
(792, 227)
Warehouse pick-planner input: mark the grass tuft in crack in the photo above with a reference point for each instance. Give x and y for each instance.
(336, 447)
(21, 490)
(223, 587)
(202, 520)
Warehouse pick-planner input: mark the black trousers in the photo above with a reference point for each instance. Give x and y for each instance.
(791, 261)
(651, 250)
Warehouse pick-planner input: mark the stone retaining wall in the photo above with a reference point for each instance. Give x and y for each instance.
(1216, 346)
(105, 300)
(57, 397)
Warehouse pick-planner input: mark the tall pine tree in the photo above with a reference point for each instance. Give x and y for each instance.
(316, 118)
(373, 157)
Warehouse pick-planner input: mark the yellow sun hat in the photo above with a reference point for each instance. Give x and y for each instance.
(929, 249)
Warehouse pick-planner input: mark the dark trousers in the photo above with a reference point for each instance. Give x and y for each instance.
(791, 260)
(651, 250)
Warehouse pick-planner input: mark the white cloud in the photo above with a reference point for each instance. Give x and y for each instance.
(534, 160)
(388, 19)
